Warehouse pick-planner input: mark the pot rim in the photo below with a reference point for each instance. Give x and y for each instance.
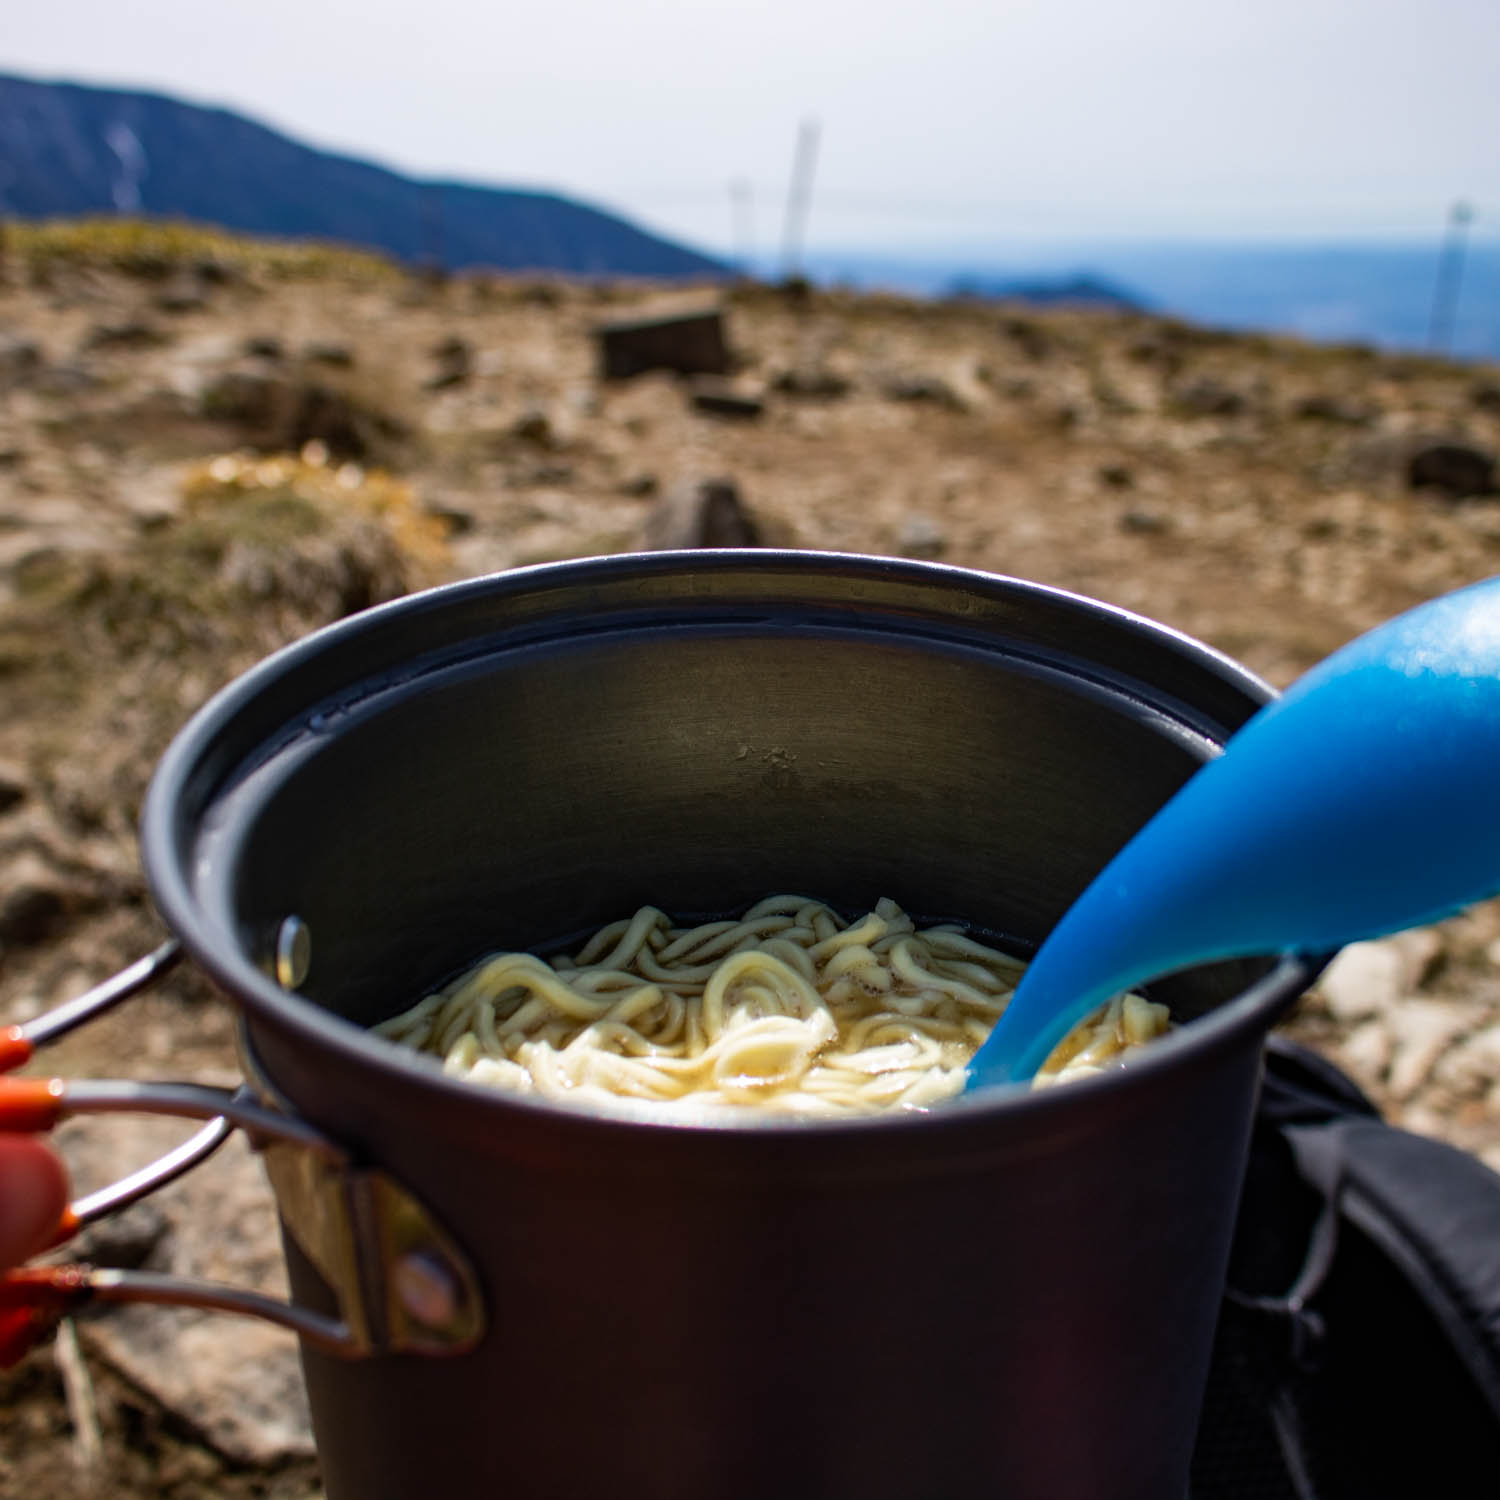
(261, 998)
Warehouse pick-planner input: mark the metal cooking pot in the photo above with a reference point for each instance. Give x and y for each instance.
(1012, 1295)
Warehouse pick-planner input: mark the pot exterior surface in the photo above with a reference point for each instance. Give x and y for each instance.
(1012, 1293)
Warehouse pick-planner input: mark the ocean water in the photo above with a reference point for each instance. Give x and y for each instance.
(1377, 294)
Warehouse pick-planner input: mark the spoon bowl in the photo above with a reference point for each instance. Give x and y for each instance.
(1364, 801)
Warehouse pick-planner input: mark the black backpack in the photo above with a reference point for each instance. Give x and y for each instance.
(1358, 1349)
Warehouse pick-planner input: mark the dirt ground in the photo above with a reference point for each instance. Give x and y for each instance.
(204, 455)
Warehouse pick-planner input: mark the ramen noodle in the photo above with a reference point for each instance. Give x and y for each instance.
(787, 1009)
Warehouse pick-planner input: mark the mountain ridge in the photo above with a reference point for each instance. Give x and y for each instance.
(69, 149)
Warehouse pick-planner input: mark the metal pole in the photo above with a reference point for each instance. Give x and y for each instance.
(1449, 278)
(742, 225)
(798, 197)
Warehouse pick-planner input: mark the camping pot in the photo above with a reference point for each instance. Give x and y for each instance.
(1012, 1295)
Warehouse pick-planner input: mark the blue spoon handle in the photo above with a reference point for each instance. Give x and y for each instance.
(1364, 801)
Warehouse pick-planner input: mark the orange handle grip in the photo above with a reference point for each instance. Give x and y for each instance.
(29, 1106)
(67, 1227)
(14, 1049)
(31, 1303)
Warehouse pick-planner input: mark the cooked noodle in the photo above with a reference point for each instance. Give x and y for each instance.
(786, 1009)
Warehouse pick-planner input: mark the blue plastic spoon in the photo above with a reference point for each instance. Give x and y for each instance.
(1365, 800)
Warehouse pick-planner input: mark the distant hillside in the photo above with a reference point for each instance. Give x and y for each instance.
(1081, 289)
(66, 150)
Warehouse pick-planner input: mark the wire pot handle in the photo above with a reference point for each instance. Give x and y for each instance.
(18, 1045)
(401, 1283)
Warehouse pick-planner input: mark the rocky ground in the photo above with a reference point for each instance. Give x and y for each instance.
(207, 449)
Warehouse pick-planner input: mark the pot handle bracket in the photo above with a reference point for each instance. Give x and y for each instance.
(401, 1284)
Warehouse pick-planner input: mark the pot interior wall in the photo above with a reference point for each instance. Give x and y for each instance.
(529, 794)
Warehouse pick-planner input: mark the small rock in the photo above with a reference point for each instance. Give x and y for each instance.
(456, 521)
(1207, 397)
(1486, 396)
(546, 474)
(347, 428)
(445, 379)
(1473, 1067)
(708, 513)
(921, 536)
(813, 383)
(719, 399)
(248, 398)
(20, 359)
(1365, 979)
(276, 412)
(639, 486)
(455, 363)
(322, 352)
(126, 1240)
(1421, 952)
(183, 294)
(1421, 1030)
(1366, 1051)
(689, 343)
(35, 902)
(212, 272)
(264, 346)
(1144, 523)
(583, 401)
(930, 389)
(14, 787)
(1027, 336)
(1156, 349)
(71, 377)
(1335, 409)
(533, 426)
(133, 334)
(1456, 469)
(12, 457)
(1117, 476)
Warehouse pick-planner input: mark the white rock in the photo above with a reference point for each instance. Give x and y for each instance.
(921, 536)
(1421, 1031)
(1366, 979)
(1473, 1066)
(1420, 949)
(1366, 1051)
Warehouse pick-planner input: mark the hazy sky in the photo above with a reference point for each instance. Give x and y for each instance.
(943, 122)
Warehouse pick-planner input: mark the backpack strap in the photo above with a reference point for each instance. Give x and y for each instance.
(1350, 1228)
(1433, 1211)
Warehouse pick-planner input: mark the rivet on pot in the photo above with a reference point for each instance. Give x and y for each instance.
(426, 1288)
(293, 953)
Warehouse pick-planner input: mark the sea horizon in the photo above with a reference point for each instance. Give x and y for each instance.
(1398, 295)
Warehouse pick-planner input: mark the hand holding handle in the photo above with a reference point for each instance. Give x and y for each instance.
(402, 1285)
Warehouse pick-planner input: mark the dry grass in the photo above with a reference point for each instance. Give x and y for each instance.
(307, 479)
(156, 248)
